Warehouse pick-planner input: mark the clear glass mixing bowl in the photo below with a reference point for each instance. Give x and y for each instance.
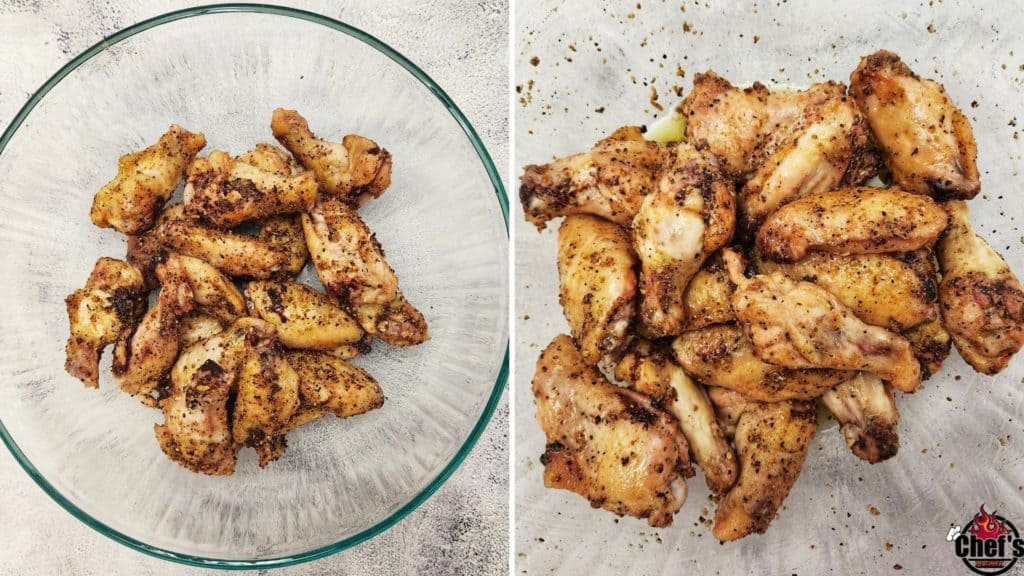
(222, 70)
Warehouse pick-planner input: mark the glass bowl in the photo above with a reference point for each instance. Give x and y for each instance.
(222, 70)
(961, 435)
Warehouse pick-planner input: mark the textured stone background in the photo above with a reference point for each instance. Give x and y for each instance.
(463, 528)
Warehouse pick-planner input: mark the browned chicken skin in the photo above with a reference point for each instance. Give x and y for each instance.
(866, 410)
(650, 369)
(691, 214)
(609, 180)
(723, 356)
(926, 141)
(771, 442)
(851, 221)
(726, 121)
(145, 181)
(802, 325)
(305, 318)
(708, 296)
(284, 234)
(597, 284)
(112, 300)
(330, 384)
(354, 170)
(981, 299)
(607, 443)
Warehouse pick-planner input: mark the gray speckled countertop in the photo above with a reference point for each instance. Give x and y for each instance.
(463, 528)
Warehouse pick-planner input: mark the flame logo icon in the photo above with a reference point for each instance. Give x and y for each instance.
(987, 526)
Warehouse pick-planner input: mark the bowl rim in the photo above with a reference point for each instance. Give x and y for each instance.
(499, 191)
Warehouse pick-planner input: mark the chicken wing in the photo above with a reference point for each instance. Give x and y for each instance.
(814, 160)
(930, 342)
(866, 410)
(145, 252)
(880, 289)
(650, 369)
(726, 121)
(284, 234)
(597, 284)
(113, 298)
(212, 292)
(981, 299)
(802, 325)
(234, 254)
(268, 394)
(851, 221)
(197, 326)
(145, 181)
(354, 171)
(196, 432)
(771, 443)
(304, 317)
(927, 143)
(225, 192)
(607, 443)
(329, 383)
(610, 180)
(351, 265)
(690, 215)
(723, 356)
(147, 350)
(708, 297)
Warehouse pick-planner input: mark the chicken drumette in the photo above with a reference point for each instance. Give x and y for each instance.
(866, 410)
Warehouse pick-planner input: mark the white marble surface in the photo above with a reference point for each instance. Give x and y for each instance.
(463, 528)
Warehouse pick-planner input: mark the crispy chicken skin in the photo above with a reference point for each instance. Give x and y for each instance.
(147, 350)
(284, 234)
(397, 323)
(802, 325)
(268, 394)
(813, 160)
(866, 410)
(609, 180)
(233, 254)
(354, 171)
(723, 356)
(328, 383)
(305, 318)
(726, 121)
(771, 442)
(145, 181)
(224, 192)
(113, 299)
(607, 443)
(881, 289)
(927, 143)
(708, 297)
(597, 284)
(212, 292)
(981, 299)
(691, 214)
(930, 340)
(197, 326)
(651, 370)
(851, 221)
(145, 252)
(196, 432)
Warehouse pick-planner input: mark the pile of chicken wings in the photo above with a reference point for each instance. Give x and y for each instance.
(235, 351)
(716, 287)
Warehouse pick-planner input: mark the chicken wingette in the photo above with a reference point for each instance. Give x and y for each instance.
(691, 214)
(981, 299)
(607, 443)
(650, 369)
(112, 300)
(329, 384)
(609, 180)
(802, 325)
(305, 318)
(851, 221)
(284, 234)
(723, 356)
(926, 141)
(771, 442)
(865, 408)
(597, 284)
(726, 121)
(354, 170)
(708, 296)
(145, 181)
